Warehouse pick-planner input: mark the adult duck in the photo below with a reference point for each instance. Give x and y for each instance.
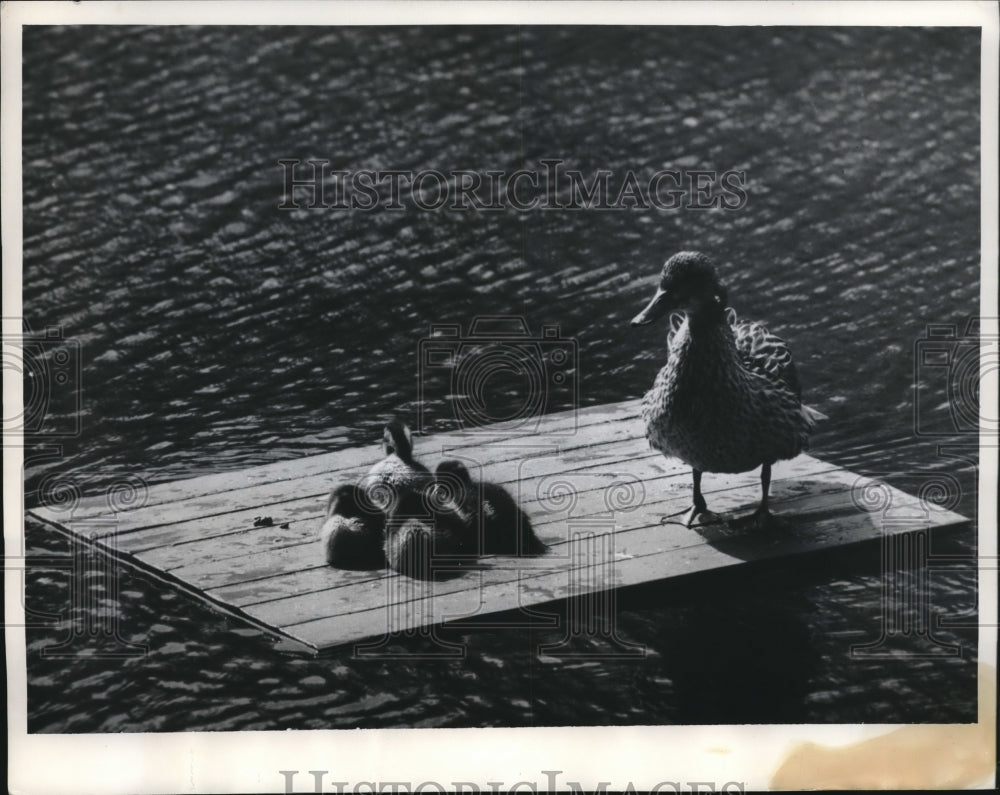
(398, 471)
(728, 398)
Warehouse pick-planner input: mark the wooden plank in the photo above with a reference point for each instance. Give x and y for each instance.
(252, 501)
(632, 565)
(630, 459)
(631, 537)
(540, 498)
(557, 425)
(225, 545)
(297, 582)
(191, 529)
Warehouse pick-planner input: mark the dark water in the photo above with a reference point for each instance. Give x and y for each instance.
(217, 332)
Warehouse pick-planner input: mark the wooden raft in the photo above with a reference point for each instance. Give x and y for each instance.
(592, 486)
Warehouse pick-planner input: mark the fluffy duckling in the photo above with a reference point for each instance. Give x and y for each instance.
(728, 398)
(497, 525)
(398, 471)
(353, 532)
(424, 532)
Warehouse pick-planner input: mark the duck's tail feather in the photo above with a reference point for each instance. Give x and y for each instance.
(812, 416)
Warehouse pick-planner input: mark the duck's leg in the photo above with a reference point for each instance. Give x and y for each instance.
(762, 516)
(697, 509)
(698, 506)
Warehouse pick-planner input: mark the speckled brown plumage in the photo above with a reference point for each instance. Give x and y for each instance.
(728, 399)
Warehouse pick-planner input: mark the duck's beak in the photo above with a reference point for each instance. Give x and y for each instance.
(654, 309)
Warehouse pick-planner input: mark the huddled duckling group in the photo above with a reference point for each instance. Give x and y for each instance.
(417, 522)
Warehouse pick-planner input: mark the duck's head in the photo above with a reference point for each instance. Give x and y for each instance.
(687, 282)
(396, 438)
(452, 470)
(452, 481)
(345, 500)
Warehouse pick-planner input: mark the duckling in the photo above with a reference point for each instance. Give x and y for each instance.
(398, 470)
(422, 533)
(353, 532)
(728, 398)
(498, 526)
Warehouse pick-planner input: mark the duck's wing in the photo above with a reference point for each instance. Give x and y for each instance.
(765, 354)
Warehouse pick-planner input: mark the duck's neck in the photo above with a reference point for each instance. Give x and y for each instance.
(404, 454)
(703, 342)
(397, 442)
(706, 316)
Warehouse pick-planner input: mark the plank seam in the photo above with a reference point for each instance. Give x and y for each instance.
(384, 574)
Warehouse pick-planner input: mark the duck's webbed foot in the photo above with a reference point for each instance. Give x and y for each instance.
(691, 517)
(698, 508)
(762, 519)
(698, 513)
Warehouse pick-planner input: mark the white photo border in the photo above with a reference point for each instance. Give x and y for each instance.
(642, 756)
